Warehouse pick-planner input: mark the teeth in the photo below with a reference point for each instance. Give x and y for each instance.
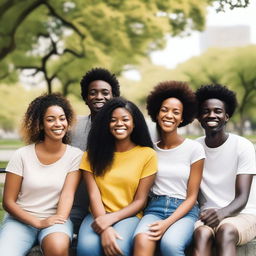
(168, 123)
(58, 131)
(99, 104)
(120, 131)
(212, 123)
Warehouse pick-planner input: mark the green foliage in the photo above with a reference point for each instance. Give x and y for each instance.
(61, 40)
(234, 67)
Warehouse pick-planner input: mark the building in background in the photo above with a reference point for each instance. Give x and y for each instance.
(225, 36)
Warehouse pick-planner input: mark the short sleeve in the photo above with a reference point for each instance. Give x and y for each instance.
(150, 166)
(198, 152)
(15, 165)
(85, 164)
(75, 163)
(246, 157)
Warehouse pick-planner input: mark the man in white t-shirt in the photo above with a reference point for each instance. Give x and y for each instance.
(97, 87)
(228, 187)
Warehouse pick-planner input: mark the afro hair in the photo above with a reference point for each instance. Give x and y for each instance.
(99, 74)
(220, 92)
(173, 89)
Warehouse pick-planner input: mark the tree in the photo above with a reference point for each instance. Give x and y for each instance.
(61, 39)
(234, 67)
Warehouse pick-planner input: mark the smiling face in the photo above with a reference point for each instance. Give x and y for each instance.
(213, 116)
(99, 92)
(121, 124)
(170, 115)
(55, 123)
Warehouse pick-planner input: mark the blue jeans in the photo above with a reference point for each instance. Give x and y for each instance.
(17, 238)
(179, 235)
(89, 242)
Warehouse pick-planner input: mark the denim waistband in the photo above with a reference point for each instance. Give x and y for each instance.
(154, 196)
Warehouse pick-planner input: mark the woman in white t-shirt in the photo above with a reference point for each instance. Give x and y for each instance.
(41, 179)
(172, 209)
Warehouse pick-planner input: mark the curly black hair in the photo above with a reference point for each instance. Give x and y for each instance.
(99, 74)
(172, 89)
(220, 92)
(101, 143)
(32, 124)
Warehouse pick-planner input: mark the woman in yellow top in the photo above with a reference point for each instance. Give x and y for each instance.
(120, 167)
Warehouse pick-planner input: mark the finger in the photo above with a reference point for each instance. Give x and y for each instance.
(151, 238)
(153, 234)
(118, 236)
(154, 229)
(153, 224)
(116, 249)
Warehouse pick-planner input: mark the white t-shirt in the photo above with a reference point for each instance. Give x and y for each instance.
(174, 168)
(222, 164)
(42, 184)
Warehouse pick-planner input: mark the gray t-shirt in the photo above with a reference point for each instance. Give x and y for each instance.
(79, 137)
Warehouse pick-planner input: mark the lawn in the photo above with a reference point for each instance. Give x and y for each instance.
(10, 143)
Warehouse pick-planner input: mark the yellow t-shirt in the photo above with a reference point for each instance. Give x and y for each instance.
(119, 184)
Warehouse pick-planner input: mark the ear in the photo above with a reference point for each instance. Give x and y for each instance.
(227, 117)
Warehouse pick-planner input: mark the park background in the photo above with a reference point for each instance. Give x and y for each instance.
(48, 45)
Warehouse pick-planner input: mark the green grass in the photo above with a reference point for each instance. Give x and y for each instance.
(3, 164)
(10, 143)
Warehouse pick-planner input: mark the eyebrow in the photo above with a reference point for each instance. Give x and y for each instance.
(54, 116)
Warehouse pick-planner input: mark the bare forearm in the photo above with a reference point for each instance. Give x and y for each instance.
(96, 206)
(181, 211)
(234, 207)
(65, 205)
(14, 210)
(130, 210)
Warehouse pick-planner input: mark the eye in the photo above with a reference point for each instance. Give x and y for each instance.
(112, 120)
(49, 120)
(92, 93)
(163, 109)
(105, 93)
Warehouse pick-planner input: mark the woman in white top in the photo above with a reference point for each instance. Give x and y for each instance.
(41, 180)
(172, 209)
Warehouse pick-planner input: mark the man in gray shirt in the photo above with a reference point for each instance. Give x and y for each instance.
(97, 87)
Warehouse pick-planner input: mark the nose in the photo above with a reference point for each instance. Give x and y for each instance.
(212, 114)
(99, 96)
(169, 114)
(57, 122)
(119, 122)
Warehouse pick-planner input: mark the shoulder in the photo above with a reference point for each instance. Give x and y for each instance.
(146, 150)
(241, 140)
(24, 150)
(74, 151)
(194, 144)
(200, 139)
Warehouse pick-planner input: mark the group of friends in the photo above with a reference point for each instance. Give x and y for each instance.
(124, 185)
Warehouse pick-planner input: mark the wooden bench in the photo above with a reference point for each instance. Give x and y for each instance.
(245, 250)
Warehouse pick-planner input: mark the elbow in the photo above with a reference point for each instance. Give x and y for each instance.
(6, 205)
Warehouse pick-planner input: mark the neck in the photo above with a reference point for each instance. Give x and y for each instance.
(124, 145)
(52, 146)
(170, 140)
(214, 140)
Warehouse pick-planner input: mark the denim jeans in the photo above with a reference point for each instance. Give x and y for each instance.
(17, 238)
(179, 235)
(89, 242)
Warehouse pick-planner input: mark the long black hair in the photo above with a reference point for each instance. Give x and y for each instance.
(101, 143)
